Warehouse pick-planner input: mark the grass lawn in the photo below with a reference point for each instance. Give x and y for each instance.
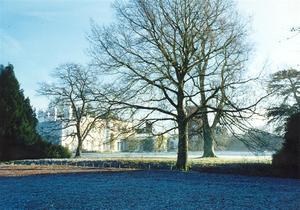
(143, 189)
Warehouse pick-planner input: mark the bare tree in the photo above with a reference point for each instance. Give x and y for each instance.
(223, 54)
(166, 56)
(74, 86)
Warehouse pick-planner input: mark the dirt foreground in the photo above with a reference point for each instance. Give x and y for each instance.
(27, 170)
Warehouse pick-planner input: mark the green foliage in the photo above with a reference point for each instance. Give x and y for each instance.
(280, 114)
(287, 159)
(285, 85)
(48, 150)
(18, 136)
(18, 121)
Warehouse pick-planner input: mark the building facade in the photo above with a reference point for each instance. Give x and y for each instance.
(105, 135)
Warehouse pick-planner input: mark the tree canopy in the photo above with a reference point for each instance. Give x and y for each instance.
(75, 86)
(168, 56)
(18, 121)
(285, 87)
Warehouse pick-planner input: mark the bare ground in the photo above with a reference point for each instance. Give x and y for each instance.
(27, 170)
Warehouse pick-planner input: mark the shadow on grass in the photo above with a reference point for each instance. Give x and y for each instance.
(248, 169)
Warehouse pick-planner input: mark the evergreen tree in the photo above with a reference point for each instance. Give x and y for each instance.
(285, 86)
(287, 160)
(18, 136)
(18, 122)
(18, 119)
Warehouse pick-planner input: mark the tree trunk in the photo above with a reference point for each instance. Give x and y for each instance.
(182, 123)
(208, 147)
(78, 149)
(181, 163)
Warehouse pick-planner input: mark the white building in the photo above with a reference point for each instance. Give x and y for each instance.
(106, 135)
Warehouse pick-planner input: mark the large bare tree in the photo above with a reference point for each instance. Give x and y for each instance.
(74, 86)
(167, 56)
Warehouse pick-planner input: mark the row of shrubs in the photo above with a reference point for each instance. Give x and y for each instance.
(10, 150)
(48, 150)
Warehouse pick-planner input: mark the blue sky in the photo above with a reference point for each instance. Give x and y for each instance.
(38, 35)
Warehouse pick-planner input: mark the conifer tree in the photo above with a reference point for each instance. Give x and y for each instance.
(18, 136)
(18, 122)
(18, 119)
(285, 86)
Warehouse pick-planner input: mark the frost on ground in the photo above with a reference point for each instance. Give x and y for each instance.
(148, 190)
